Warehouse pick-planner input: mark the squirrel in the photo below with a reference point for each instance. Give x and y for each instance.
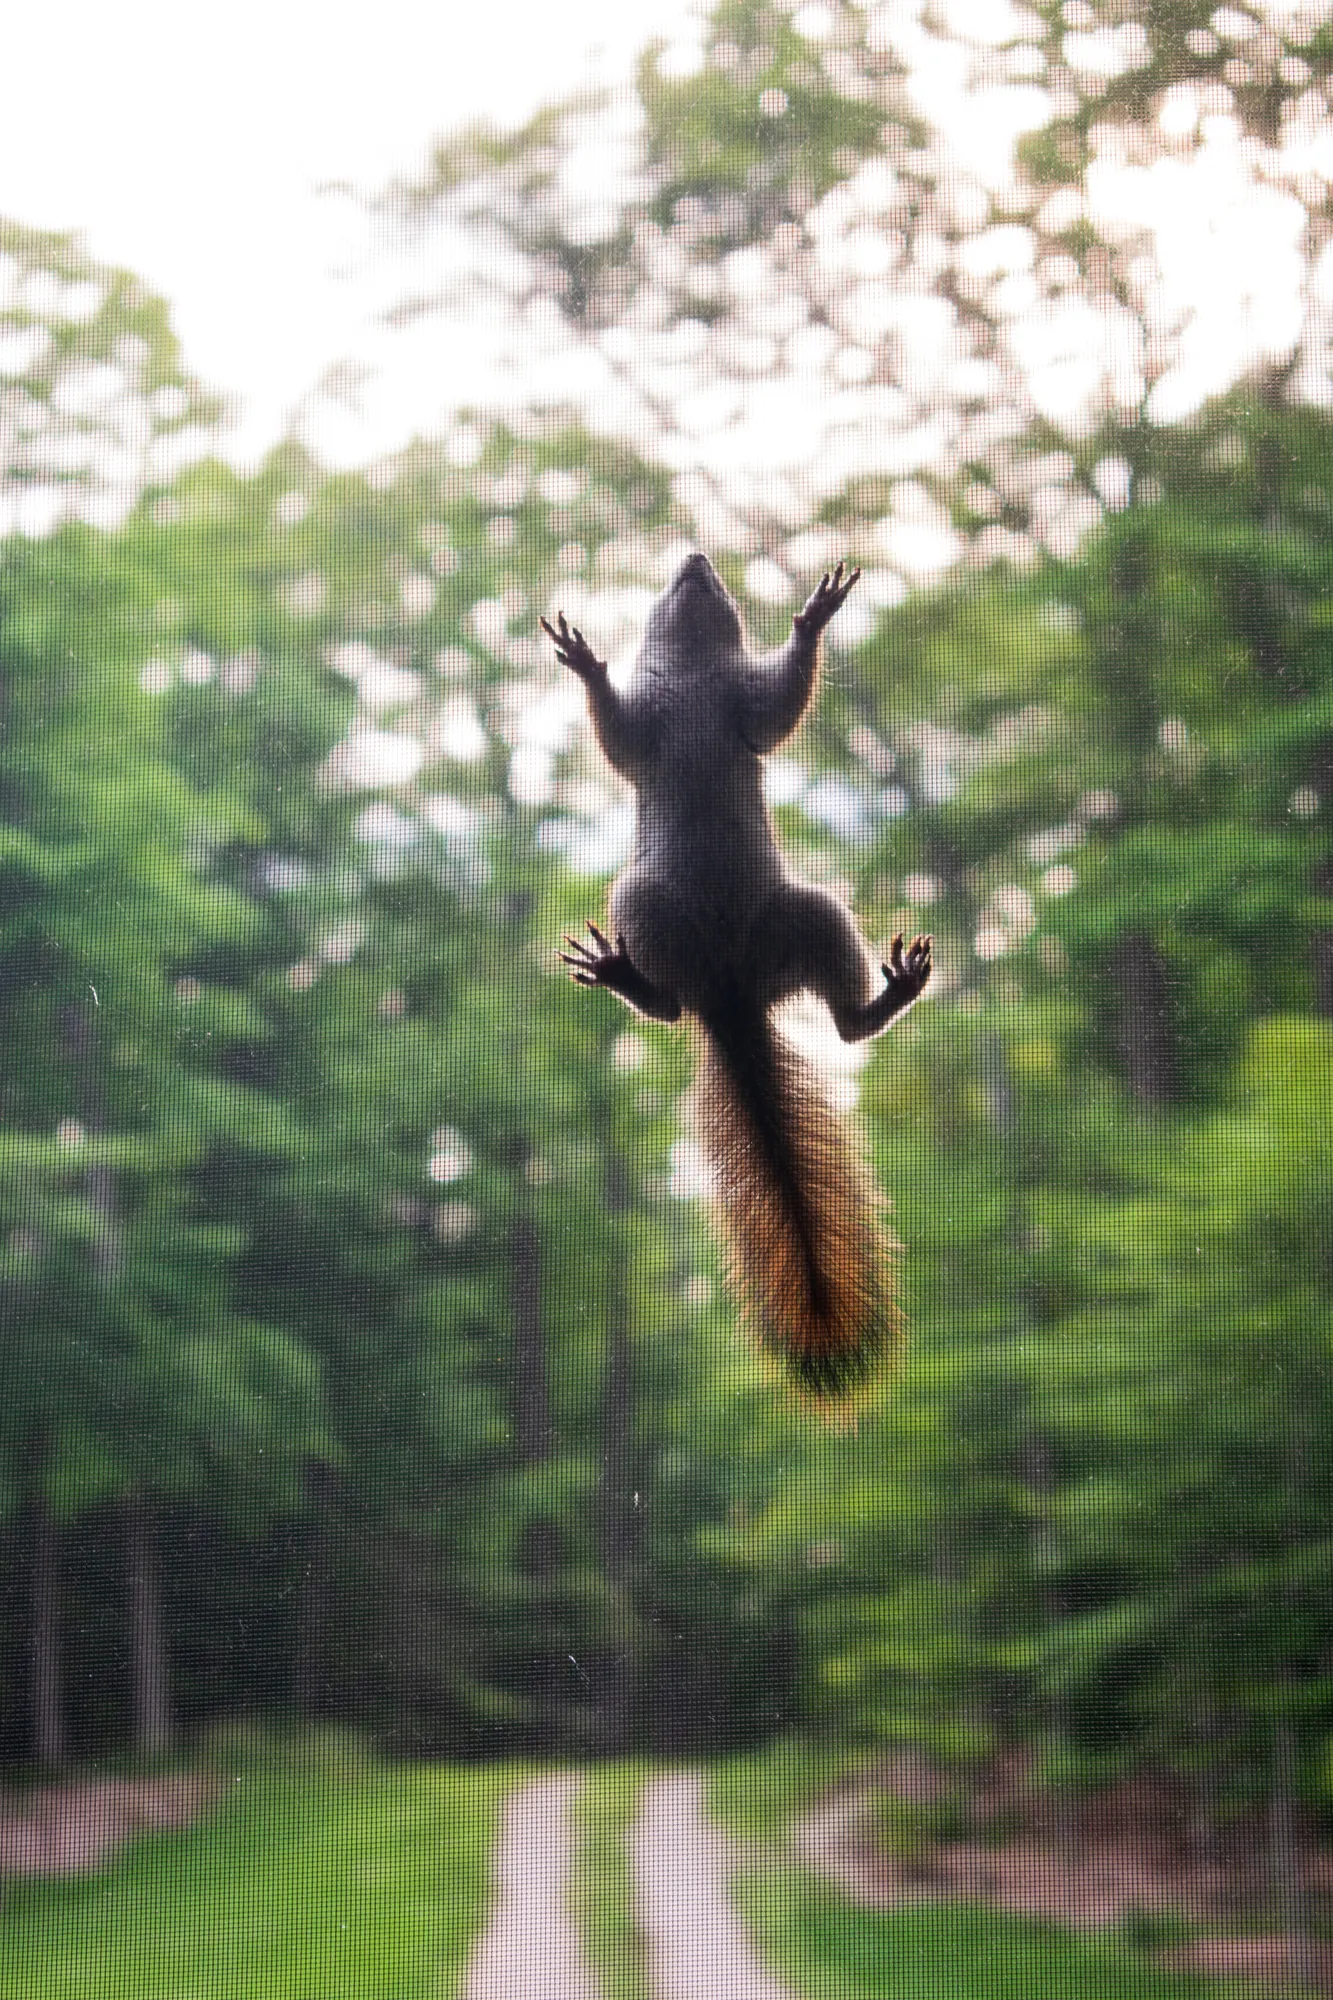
(708, 921)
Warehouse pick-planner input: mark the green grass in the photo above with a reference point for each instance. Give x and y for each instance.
(603, 1885)
(368, 1882)
(831, 1950)
(760, 1793)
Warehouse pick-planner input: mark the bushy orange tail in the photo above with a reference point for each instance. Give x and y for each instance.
(810, 1256)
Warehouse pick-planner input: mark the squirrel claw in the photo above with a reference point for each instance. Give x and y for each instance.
(598, 964)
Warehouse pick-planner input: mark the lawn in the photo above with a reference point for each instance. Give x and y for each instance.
(830, 1950)
(602, 1891)
(369, 1881)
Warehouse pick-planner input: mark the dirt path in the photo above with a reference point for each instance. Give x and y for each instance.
(530, 1949)
(698, 1947)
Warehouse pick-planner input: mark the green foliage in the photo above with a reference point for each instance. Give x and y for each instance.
(322, 1193)
(97, 402)
(1256, 60)
(759, 132)
(126, 1358)
(1089, 1522)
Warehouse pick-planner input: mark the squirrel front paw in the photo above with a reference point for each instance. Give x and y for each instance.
(823, 601)
(908, 970)
(573, 650)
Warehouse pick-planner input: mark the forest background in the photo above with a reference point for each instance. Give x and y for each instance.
(364, 1356)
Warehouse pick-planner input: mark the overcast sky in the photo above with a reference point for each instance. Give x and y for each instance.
(190, 142)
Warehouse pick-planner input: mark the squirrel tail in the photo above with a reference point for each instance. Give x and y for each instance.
(810, 1254)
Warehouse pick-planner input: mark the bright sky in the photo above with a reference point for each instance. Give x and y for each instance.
(189, 143)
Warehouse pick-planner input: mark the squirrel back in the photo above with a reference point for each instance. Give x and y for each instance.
(810, 1256)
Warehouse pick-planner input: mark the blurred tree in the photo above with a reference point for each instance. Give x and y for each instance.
(332, 1215)
(753, 260)
(96, 403)
(1106, 758)
(1159, 114)
(878, 269)
(401, 862)
(125, 1365)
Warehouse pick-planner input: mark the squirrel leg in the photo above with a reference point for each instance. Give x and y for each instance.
(656, 926)
(807, 941)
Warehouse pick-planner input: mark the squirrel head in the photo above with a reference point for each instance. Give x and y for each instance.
(694, 623)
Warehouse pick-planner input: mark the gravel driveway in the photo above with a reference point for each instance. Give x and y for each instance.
(698, 1949)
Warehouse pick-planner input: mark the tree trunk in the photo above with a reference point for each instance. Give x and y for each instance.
(1036, 1467)
(1286, 1862)
(1321, 779)
(534, 1439)
(1286, 1875)
(152, 1719)
(617, 1484)
(50, 1740)
(312, 1690)
(1204, 1815)
(1146, 1040)
(1323, 967)
(534, 1426)
(100, 1183)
